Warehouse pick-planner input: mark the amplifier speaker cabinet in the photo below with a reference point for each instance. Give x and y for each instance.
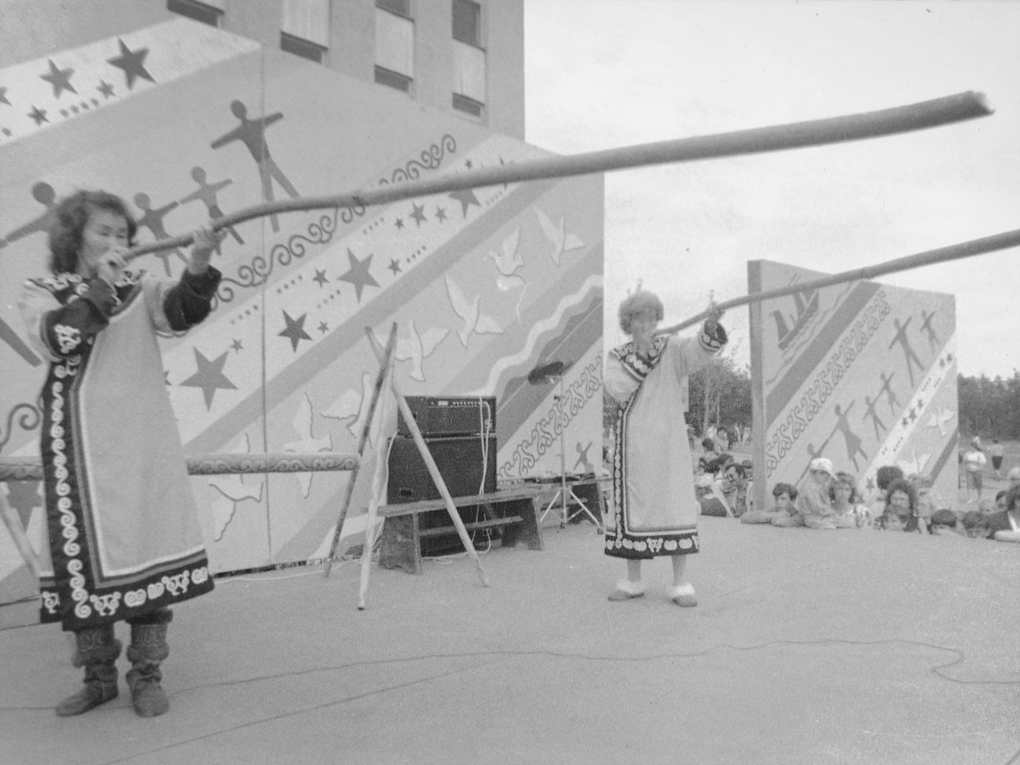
(466, 468)
(462, 462)
(450, 415)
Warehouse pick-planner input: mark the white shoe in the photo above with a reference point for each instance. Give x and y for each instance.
(683, 595)
(626, 590)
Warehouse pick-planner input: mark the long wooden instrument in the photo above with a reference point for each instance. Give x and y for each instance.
(796, 135)
(942, 254)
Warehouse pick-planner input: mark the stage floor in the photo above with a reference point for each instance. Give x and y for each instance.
(807, 647)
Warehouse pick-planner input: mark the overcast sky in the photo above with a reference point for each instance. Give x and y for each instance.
(608, 73)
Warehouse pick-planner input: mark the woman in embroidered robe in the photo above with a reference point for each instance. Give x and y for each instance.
(125, 542)
(654, 511)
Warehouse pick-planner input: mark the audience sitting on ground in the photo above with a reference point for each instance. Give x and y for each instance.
(900, 506)
(884, 476)
(734, 488)
(1000, 500)
(712, 451)
(944, 519)
(782, 513)
(708, 496)
(974, 524)
(926, 509)
(814, 500)
(1004, 525)
(847, 500)
(924, 482)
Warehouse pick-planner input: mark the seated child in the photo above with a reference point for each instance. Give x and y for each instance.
(783, 513)
(814, 501)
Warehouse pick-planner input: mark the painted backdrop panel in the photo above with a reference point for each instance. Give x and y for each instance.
(861, 373)
(186, 122)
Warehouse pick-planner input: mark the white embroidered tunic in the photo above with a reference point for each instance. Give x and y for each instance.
(654, 509)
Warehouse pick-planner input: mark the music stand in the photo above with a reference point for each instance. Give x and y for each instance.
(543, 375)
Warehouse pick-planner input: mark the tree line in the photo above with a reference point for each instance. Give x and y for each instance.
(720, 394)
(990, 408)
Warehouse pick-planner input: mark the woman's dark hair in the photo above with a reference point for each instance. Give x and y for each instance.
(902, 484)
(848, 479)
(886, 475)
(737, 468)
(785, 488)
(69, 220)
(1013, 498)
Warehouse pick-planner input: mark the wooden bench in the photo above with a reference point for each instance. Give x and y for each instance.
(513, 511)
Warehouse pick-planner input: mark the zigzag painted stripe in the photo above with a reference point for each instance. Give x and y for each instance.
(548, 324)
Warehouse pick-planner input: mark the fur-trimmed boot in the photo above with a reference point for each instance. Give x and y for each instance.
(147, 650)
(96, 649)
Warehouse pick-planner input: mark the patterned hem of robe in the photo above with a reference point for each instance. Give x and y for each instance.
(645, 547)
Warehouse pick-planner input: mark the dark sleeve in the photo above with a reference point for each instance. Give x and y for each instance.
(67, 328)
(998, 522)
(190, 301)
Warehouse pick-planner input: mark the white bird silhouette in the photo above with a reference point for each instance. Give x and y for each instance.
(470, 313)
(231, 490)
(352, 406)
(308, 443)
(939, 419)
(916, 464)
(557, 234)
(417, 346)
(508, 260)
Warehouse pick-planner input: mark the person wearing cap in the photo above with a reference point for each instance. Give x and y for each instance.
(814, 501)
(654, 511)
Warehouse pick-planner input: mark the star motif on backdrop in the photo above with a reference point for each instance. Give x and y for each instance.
(399, 223)
(105, 88)
(132, 62)
(237, 345)
(468, 164)
(358, 274)
(39, 115)
(3, 96)
(440, 214)
(60, 79)
(24, 497)
(209, 376)
(295, 330)
(418, 213)
(394, 266)
(466, 197)
(323, 327)
(320, 277)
